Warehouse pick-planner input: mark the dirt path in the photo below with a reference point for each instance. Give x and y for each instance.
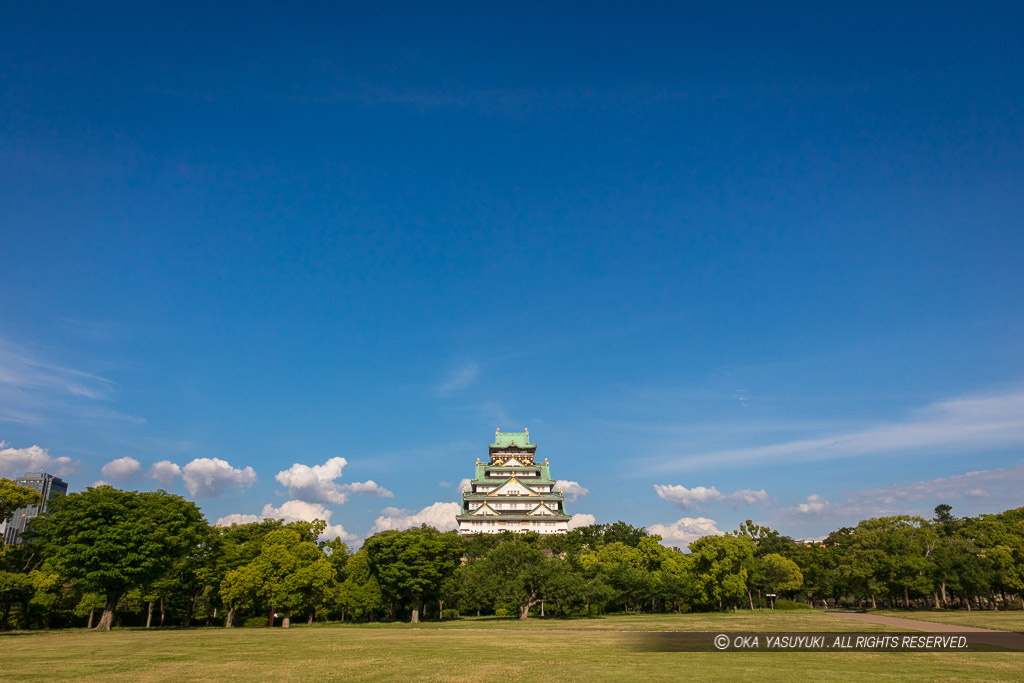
(913, 624)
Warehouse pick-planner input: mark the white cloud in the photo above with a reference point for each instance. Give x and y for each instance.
(293, 511)
(975, 423)
(441, 516)
(459, 378)
(368, 486)
(164, 472)
(571, 489)
(210, 476)
(121, 469)
(99, 482)
(685, 531)
(15, 462)
(317, 483)
(688, 498)
(238, 518)
(815, 505)
(582, 519)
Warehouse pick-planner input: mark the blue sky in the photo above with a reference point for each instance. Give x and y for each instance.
(724, 262)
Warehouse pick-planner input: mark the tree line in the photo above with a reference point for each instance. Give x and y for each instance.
(106, 556)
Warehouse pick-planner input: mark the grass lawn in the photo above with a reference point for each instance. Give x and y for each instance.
(470, 650)
(1003, 621)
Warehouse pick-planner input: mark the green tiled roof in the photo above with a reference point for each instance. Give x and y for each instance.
(508, 439)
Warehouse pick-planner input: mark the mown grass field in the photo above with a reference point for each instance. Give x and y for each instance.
(472, 650)
(1002, 621)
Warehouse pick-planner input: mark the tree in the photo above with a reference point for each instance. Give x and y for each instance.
(290, 573)
(722, 565)
(412, 565)
(521, 573)
(112, 541)
(14, 496)
(776, 574)
(360, 593)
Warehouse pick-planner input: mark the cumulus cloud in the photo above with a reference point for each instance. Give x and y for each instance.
(688, 498)
(211, 476)
(121, 469)
(815, 504)
(15, 462)
(164, 472)
(293, 511)
(571, 489)
(441, 516)
(685, 531)
(581, 519)
(238, 518)
(318, 483)
(974, 423)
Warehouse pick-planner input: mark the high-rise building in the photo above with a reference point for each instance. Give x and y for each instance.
(512, 492)
(47, 485)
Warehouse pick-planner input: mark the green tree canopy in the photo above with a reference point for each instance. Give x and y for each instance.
(412, 565)
(14, 496)
(111, 541)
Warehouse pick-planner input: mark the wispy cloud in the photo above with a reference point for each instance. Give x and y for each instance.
(458, 378)
(1006, 483)
(35, 389)
(977, 423)
(1001, 488)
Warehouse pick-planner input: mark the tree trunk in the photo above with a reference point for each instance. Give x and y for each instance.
(287, 621)
(542, 609)
(968, 601)
(942, 587)
(107, 620)
(415, 610)
(906, 596)
(312, 613)
(161, 611)
(230, 621)
(149, 614)
(189, 604)
(936, 596)
(270, 618)
(440, 610)
(91, 612)
(750, 596)
(874, 605)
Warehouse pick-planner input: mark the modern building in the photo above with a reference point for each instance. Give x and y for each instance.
(512, 492)
(48, 486)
